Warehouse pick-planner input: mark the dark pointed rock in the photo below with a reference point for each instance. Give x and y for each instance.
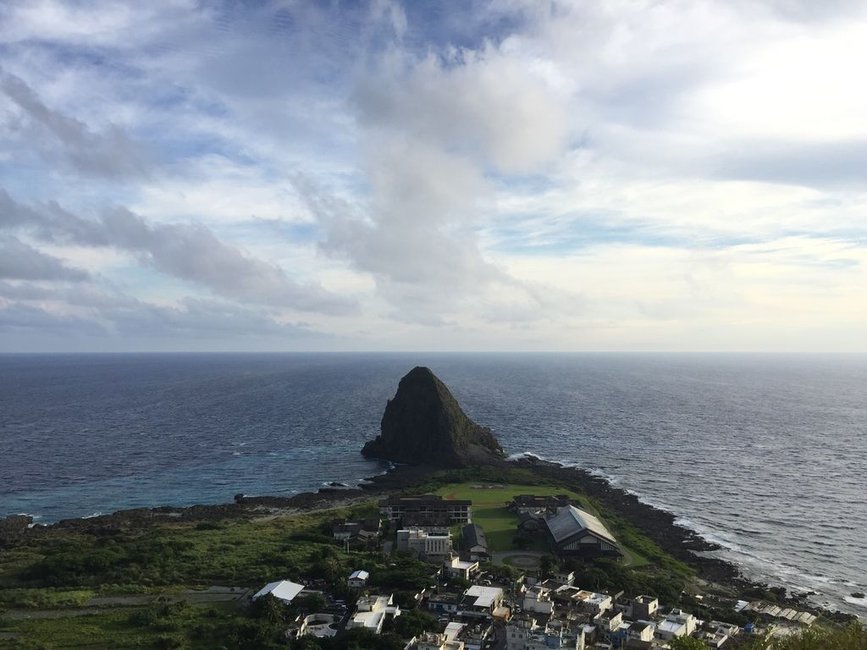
(424, 425)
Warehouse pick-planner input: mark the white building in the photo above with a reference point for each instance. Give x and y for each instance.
(676, 623)
(526, 634)
(284, 590)
(482, 600)
(372, 610)
(457, 568)
(538, 599)
(446, 640)
(358, 579)
(641, 631)
(428, 545)
(590, 602)
(608, 625)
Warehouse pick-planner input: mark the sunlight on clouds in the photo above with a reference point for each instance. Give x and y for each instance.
(385, 175)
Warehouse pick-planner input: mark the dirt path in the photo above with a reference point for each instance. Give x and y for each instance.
(101, 604)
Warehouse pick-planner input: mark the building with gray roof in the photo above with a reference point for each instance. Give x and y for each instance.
(575, 532)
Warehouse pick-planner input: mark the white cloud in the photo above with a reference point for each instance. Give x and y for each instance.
(520, 174)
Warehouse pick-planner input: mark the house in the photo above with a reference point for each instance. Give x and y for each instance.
(284, 590)
(371, 612)
(426, 510)
(641, 631)
(445, 603)
(446, 640)
(358, 579)
(526, 634)
(475, 635)
(564, 577)
(481, 601)
(643, 608)
(457, 568)
(676, 623)
(434, 545)
(319, 625)
(608, 625)
(588, 602)
(575, 532)
(537, 599)
(474, 544)
(363, 530)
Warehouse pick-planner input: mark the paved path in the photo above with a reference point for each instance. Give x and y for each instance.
(518, 559)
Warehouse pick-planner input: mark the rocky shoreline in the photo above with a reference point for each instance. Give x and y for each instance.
(659, 525)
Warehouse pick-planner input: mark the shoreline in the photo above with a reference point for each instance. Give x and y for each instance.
(681, 542)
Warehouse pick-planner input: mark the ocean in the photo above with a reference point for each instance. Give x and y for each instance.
(764, 454)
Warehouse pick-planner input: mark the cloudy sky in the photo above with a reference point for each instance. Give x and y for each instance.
(503, 175)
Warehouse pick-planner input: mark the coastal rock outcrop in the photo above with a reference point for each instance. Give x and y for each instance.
(424, 425)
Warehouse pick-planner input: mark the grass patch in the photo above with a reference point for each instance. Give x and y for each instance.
(44, 598)
(490, 512)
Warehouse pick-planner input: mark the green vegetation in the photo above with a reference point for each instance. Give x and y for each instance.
(125, 584)
(852, 637)
(687, 643)
(44, 598)
(49, 577)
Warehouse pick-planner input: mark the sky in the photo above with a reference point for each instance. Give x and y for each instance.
(520, 175)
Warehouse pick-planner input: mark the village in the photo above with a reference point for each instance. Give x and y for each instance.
(480, 598)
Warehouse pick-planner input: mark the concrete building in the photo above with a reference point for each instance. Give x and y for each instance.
(446, 640)
(320, 625)
(444, 603)
(537, 599)
(532, 504)
(644, 608)
(526, 634)
(641, 631)
(426, 510)
(676, 623)
(372, 610)
(587, 602)
(482, 601)
(426, 545)
(457, 568)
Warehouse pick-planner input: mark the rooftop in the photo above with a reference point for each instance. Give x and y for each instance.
(570, 521)
(423, 500)
(485, 596)
(282, 589)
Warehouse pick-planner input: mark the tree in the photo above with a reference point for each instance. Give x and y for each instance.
(851, 637)
(546, 565)
(687, 643)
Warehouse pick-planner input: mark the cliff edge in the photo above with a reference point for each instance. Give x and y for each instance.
(424, 425)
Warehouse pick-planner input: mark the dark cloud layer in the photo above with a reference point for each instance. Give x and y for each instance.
(19, 261)
(109, 153)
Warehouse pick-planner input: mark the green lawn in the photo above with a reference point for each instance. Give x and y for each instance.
(500, 525)
(490, 512)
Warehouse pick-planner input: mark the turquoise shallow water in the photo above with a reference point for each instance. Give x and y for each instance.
(764, 454)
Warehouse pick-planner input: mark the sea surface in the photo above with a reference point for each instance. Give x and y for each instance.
(764, 454)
